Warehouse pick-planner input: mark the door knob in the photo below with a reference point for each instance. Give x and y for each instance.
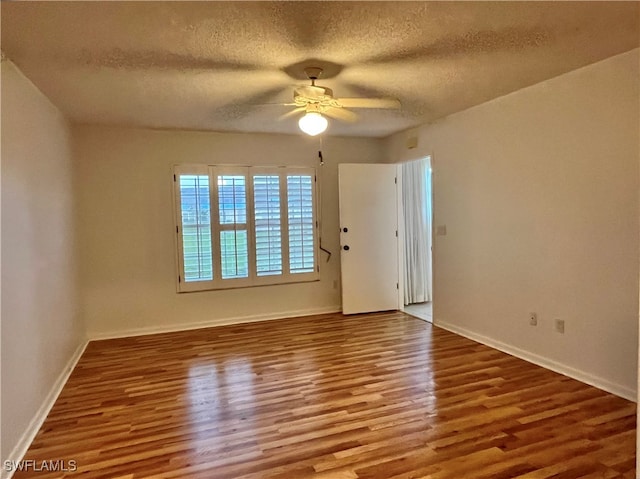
(345, 230)
(346, 247)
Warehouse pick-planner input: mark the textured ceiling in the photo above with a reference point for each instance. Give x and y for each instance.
(219, 65)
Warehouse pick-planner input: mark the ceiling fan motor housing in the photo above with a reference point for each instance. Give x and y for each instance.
(314, 94)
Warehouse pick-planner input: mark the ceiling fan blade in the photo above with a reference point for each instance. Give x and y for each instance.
(382, 103)
(274, 104)
(291, 113)
(340, 114)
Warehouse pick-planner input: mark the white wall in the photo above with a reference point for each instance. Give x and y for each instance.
(40, 321)
(539, 193)
(127, 230)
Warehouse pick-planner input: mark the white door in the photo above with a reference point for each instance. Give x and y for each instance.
(368, 237)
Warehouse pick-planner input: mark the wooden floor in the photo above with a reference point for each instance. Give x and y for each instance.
(329, 397)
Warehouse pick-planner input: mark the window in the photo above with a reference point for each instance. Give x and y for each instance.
(244, 226)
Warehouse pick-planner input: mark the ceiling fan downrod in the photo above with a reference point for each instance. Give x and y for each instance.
(313, 73)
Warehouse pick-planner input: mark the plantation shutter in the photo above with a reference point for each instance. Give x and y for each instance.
(268, 228)
(301, 223)
(192, 189)
(232, 223)
(196, 227)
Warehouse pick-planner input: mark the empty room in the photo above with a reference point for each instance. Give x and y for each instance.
(319, 240)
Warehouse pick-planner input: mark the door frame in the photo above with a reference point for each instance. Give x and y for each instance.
(401, 234)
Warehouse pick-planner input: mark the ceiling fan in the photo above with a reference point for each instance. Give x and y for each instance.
(317, 102)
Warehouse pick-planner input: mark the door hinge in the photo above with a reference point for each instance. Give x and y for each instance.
(397, 286)
(396, 233)
(179, 279)
(396, 180)
(179, 231)
(174, 178)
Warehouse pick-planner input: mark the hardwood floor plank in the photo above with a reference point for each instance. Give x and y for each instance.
(378, 396)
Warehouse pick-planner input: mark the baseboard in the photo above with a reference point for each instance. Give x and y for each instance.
(125, 333)
(34, 426)
(595, 381)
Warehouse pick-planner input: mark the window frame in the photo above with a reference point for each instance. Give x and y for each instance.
(252, 280)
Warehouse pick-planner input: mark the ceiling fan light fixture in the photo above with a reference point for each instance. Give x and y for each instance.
(313, 123)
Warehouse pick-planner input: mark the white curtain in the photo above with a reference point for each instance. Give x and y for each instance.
(416, 201)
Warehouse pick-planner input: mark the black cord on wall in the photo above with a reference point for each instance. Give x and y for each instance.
(320, 203)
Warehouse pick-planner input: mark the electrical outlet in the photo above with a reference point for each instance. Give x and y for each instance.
(560, 326)
(533, 319)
